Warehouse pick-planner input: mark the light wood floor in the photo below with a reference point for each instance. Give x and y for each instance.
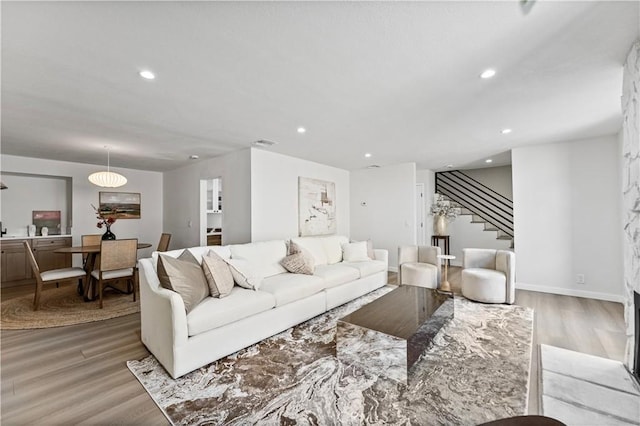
(77, 374)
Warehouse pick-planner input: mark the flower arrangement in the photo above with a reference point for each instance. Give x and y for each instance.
(443, 207)
(103, 221)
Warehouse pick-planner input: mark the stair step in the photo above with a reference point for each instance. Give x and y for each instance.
(504, 237)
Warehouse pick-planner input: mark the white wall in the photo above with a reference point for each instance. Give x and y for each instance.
(567, 218)
(149, 184)
(274, 194)
(26, 193)
(389, 216)
(464, 234)
(182, 199)
(497, 178)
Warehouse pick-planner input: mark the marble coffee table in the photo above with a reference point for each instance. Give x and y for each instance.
(388, 335)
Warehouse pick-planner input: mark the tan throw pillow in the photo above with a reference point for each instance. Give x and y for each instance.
(244, 273)
(218, 275)
(183, 277)
(187, 256)
(299, 263)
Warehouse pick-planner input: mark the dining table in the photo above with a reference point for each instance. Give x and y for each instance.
(92, 253)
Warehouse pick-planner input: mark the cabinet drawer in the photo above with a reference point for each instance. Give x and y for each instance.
(51, 242)
(13, 244)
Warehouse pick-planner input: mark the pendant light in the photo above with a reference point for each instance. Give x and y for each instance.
(107, 179)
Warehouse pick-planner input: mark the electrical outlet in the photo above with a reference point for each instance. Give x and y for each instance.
(580, 278)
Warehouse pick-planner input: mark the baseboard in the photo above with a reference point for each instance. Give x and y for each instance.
(571, 292)
(393, 269)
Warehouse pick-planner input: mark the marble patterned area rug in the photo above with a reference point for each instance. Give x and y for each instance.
(476, 370)
(581, 389)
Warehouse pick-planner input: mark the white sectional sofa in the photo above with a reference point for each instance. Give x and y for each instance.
(218, 327)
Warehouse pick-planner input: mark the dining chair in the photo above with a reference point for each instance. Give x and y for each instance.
(90, 240)
(52, 276)
(163, 245)
(118, 260)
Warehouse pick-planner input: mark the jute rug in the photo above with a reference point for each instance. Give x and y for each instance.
(476, 370)
(63, 306)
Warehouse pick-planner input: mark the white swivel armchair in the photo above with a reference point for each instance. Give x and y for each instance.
(419, 266)
(489, 275)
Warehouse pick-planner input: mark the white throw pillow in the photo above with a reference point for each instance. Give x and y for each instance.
(355, 252)
(245, 274)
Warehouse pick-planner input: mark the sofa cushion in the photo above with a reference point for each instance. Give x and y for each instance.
(333, 248)
(245, 273)
(240, 303)
(368, 267)
(218, 275)
(314, 246)
(299, 263)
(185, 278)
(337, 274)
(355, 252)
(265, 256)
(287, 288)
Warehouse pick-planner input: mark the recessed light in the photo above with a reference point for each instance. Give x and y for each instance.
(449, 166)
(368, 155)
(146, 74)
(488, 160)
(301, 130)
(194, 157)
(488, 73)
(506, 131)
(373, 166)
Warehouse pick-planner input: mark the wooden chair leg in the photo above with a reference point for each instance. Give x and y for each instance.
(135, 283)
(100, 290)
(36, 298)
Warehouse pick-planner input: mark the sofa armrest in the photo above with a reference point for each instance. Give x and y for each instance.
(429, 254)
(381, 254)
(163, 317)
(506, 263)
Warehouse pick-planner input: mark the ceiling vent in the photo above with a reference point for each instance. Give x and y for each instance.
(263, 143)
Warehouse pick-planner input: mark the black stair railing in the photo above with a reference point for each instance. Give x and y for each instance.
(481, 200)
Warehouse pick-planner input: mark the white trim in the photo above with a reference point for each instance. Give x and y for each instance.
(571, 292)
(393, 269)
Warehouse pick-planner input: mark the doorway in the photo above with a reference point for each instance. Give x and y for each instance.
(211, 211)
(420, 212)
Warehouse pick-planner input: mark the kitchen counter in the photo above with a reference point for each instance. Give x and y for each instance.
(25, 237)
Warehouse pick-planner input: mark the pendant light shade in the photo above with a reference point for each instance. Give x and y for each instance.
(107, 179)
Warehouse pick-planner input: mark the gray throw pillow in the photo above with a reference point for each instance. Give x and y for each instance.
(183, 277)
(218, 275)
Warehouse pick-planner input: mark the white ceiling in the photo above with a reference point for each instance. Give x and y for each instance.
(398, 80)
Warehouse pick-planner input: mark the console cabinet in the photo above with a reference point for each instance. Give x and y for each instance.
(16, 269)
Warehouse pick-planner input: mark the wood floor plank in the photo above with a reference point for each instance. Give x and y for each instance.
(78, 374)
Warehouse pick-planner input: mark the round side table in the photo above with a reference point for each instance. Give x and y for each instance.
(444, 285)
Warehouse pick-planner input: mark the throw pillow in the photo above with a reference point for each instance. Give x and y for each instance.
(294, 248)
(187, 256)
(355, 252)
(370, 252)
(218, 275)
(183, 277)
(244, 273)
(299, 263)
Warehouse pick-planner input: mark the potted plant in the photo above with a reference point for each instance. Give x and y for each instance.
(443, 212)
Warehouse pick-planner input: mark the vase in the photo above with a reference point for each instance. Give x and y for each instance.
(108, 235)
(440, 225)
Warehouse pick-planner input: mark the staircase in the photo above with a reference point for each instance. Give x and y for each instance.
(473, 198)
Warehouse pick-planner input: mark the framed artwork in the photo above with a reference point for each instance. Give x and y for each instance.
(120, 205)
(316, 207)
(49, 219)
